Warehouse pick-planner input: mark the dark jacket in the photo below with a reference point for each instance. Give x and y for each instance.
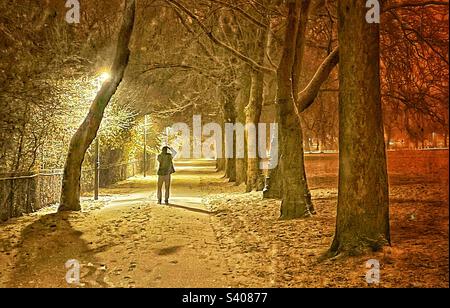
(165, 164)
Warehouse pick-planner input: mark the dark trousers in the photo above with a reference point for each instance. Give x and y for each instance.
(164, 180)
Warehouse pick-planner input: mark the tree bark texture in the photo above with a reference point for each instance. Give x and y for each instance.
(294, 191)
(86, 133)
(363, 201)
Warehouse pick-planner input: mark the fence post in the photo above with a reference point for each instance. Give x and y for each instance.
(97, 169)
(145, 146)
(35, 195)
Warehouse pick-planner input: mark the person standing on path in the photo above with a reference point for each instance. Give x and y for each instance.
(165, 172)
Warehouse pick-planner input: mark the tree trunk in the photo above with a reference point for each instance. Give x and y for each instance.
(255, 178)
(363, 201)
(272, 187)
(220, 162)
(296, 74)
(294, 191)
(230, 117)
(303, 100)
(242, 101)
(300, 47)
(86, 133)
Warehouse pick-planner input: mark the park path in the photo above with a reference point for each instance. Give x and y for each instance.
(126, 239)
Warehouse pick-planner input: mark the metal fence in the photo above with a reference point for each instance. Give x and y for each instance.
(28, 192)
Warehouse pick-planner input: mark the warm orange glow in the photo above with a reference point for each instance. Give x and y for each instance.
(105, 76)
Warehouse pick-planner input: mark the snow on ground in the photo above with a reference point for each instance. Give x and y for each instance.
(214, 235)
(273, 253)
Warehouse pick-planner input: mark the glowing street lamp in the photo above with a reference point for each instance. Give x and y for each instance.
(101, 79)
(105, 76)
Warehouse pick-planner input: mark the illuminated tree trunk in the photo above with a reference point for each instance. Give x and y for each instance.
(288, 92)
(363, 201)
(293, 191)
(86, 133)
(296, 74)
(255, 178)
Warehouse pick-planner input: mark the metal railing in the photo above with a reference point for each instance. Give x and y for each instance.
(22, 193)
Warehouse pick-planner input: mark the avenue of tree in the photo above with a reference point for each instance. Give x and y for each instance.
(319, 68)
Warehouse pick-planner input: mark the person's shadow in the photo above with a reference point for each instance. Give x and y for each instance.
(192, 209)
(43, 250)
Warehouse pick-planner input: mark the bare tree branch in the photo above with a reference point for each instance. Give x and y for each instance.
(252, 63)
(242, 12)
(309, 94)
(413, 4)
